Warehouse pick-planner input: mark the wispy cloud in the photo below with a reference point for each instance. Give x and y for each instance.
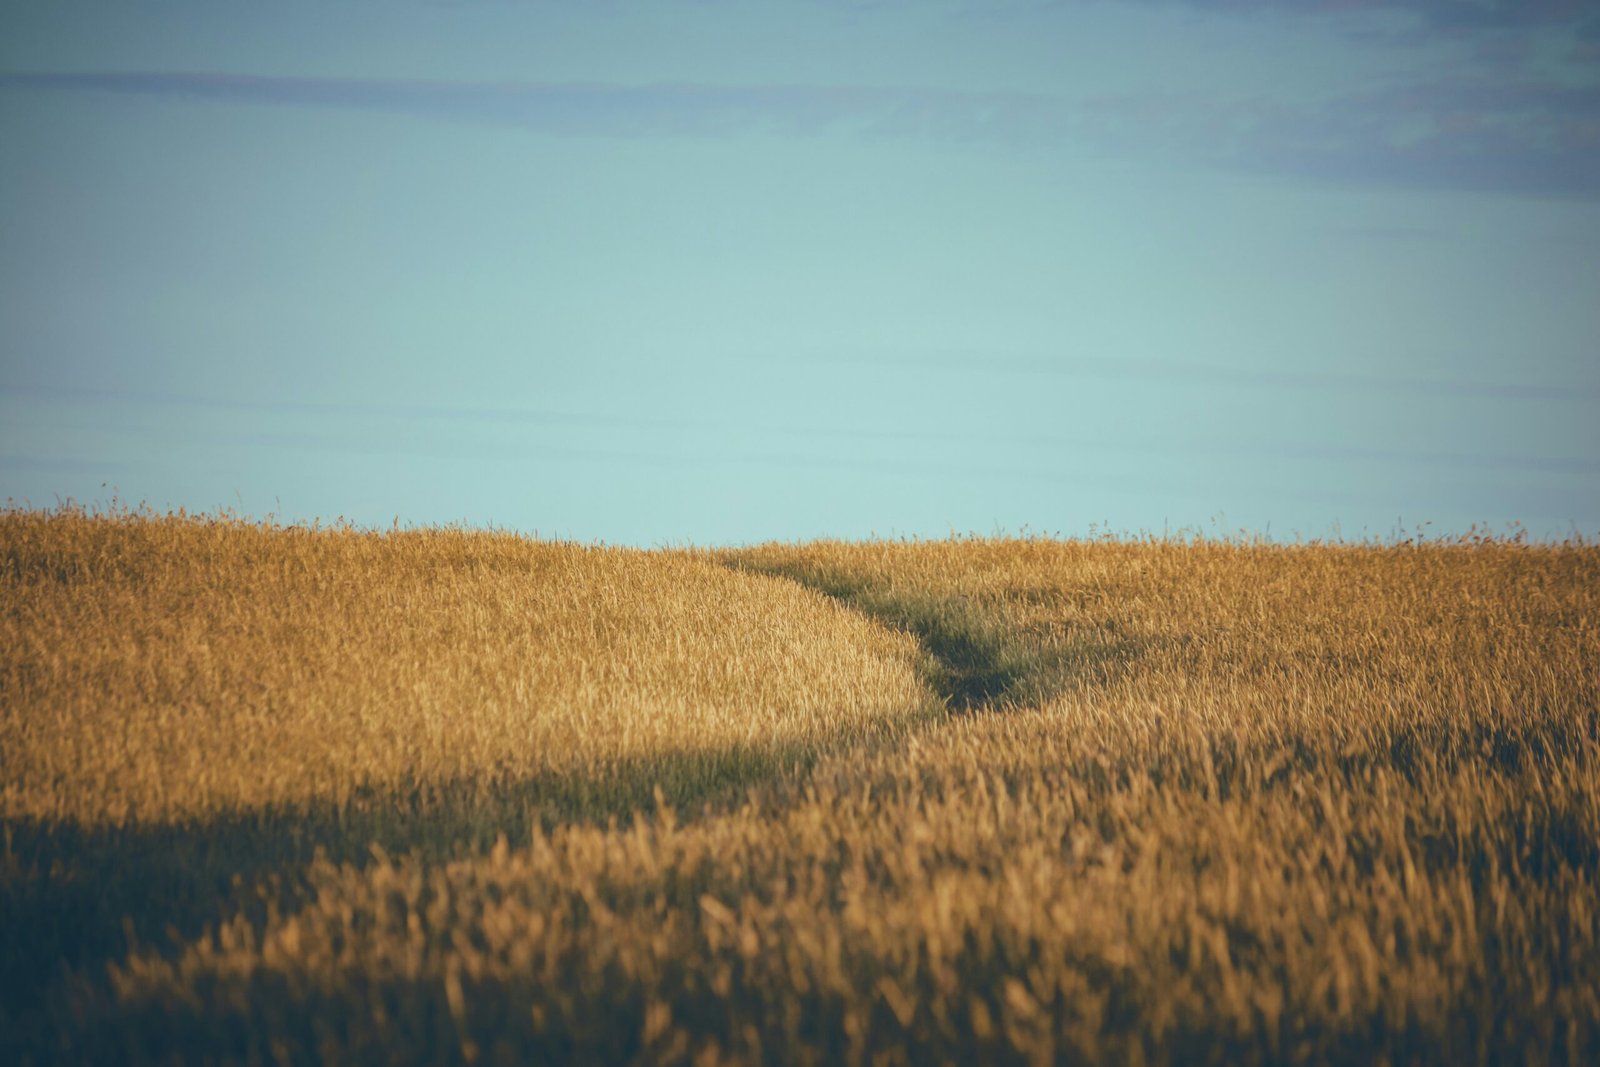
(435, 430)
(1194, 373)
(1511, 103)
(606, 109)
(1528, 138)
(1434, 14)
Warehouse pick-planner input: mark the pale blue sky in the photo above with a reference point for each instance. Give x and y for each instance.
(721, 272)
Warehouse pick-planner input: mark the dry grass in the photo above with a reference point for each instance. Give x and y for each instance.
(159, 670)
(1200, 803)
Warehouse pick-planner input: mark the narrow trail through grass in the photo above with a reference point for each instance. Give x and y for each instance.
(974, 668)
(977, 661)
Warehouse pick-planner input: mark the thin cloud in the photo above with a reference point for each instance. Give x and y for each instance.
(1516, 110)
(1436, 15)
(1214, 374)
(573, 424)
(479, 415)
(606, 109)
(1392, 234)
(1525, 139)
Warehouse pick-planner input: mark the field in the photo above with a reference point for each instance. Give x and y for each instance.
(282, 794)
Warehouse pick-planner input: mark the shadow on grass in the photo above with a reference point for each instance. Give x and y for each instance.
(72, 898)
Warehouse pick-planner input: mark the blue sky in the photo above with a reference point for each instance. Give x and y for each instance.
(722, 272)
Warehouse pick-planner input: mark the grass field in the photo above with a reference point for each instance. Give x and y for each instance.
(278, 795)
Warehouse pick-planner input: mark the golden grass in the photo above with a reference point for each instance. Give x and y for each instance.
(167, 669)
(1202, 803)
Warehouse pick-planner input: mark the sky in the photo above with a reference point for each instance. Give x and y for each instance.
(714, 272)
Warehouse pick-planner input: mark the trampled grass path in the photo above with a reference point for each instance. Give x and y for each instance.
(976, 665)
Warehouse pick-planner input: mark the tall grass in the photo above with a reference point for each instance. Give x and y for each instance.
(162, 669)
(188, 703)
(1188, 802)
